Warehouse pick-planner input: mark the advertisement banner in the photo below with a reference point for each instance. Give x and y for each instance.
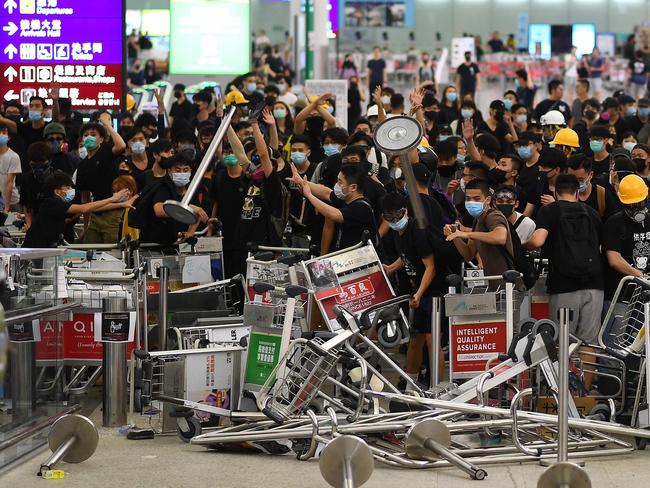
(263, 355)
(472, 345)
(64, 42)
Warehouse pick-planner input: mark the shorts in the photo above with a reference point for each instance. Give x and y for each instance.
(587, 307)
(420, 319)
(104, 227)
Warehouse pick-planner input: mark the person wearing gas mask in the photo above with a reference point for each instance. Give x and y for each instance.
(136, 152)
(62, 158)
(9, 169)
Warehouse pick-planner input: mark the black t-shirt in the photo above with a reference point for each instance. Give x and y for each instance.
(29, 134)
(548, 218)
(413, 246)
(526, 96)
(96, 174)
(451, 113)
(634, 123)
(374, 192)
(260, 201)
(432, 211)
(66, 162)
(357, 217)
(184, 110)
(135, 171)
(146, 178)
(295, 208)
(229, 195)
(612, 204)
(48, 224)
(528, 177)
(536, 191)
(467, 73)
(631, 240)
(376, 67)
(162, 231)
(548, 105)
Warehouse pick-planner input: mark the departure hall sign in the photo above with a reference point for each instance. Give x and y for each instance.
(78, 44)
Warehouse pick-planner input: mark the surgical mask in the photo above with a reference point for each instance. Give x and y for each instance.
(4, 139)
(280, 113)
(90, 142)
(282, 87)
(462, 184)
(385, 100)
(251, 87)
(400, 224)
(83, 152)
(521, 119)
(257, 176)
(460, 158)
(644, 111)
(298, 158)
(35, 115)
(629, 146)
(582, 187)
(230, 160)
(138, 148)
(330, 109)
(122, 199)
(630, 111)
(181, 179)
(443, 137)
(338, 192)
(506, 209)
(467, 114)
(525, 152)
(507, 103)
(475, 209)
(452, 96)
(330, 149)
(596, 146)
(69, 195)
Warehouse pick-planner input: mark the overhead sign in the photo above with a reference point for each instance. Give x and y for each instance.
(77, 44)
(209, 37)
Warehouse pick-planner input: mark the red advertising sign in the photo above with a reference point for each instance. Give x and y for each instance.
(472, 345)
(71, 340)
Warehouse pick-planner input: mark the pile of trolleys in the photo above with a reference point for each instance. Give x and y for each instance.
(300, 356)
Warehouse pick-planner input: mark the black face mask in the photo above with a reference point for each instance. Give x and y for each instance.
(178, 94)
(590, 114)
(506, 209)
(496, 176)
(467, 58)
(499, 115)
(640, 164)
(447, 171)
(315, 125)
(432, 115)
(153, 134)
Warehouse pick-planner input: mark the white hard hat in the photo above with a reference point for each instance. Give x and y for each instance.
(373, 111)
(552, 117)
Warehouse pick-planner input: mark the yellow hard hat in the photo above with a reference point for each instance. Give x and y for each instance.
(566, 137)
(130, 102)
(235, 97)
(632, 190)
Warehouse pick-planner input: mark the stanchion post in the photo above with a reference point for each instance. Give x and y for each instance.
(163, 274)
(436, 324)
(563, 394)
(115, 372)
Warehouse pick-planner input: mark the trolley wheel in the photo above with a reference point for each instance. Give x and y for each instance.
(193, 429)
(386, 340)
(641, 443)
(548, 326)
(600, 412)
(480, 474)
(525, 326)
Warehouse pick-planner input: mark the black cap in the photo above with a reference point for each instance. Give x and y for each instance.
(621, 152)
(497, 105)
(422, 173)
(550, 157)
(625, 99)
(610, 102)
(488, 142)
(446, 129)
(644, 102)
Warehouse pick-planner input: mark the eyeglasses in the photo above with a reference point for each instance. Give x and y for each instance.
(393, 217)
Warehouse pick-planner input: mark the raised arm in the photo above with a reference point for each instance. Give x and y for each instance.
(262, 148)
(118, 143)
(269, 120)
(237, 147)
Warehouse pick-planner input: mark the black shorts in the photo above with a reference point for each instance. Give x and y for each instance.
(421, 322)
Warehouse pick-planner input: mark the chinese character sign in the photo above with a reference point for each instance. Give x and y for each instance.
(77, 44)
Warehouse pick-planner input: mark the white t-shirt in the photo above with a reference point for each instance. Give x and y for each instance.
(525, 228)
(9, 164)
(570, 66)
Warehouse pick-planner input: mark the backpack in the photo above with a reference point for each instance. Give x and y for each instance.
(279, 223)
(576, 248)
(449, 213)
(600, 200)
(142, 212)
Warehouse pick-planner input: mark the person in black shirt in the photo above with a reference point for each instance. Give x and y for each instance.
(67, 161)
(58, 191)
(161, 149)
(95, 177)
(468, 81)
(496, 44)
(182, 108)
(376, 70)
(248, 87)
(591, 193)
(637, 121)
(542, 193)
(31, 130)
(526, 89)
(299, 156)
(136, 152)
(553, 102)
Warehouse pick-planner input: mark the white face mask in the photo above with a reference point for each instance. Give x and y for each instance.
(385, 100)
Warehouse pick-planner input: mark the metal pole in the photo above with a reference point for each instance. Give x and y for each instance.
(23, 378)
(163, 275)
(59, 454)
(414, 196)
(453, 458)
(646, 327)
(436, 324)
(563, 395)
(115, 372)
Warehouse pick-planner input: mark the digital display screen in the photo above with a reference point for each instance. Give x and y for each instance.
(210, 37)
(378, 13)
(63, 41)
(584, 38)
(155, 23)
(133, 20)
(539, 40)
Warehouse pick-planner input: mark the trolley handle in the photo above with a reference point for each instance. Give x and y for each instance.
(140, 354)
(364, 318)
(292, 291)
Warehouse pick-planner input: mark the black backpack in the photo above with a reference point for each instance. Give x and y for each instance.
(576, 248)
(142, 212)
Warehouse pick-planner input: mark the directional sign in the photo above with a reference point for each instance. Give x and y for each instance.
(63, 41)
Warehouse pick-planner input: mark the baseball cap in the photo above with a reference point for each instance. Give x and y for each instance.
(644, 102)
(621, 152)
(610, 102)
(54, 128)
(625, 98)
(421, 172)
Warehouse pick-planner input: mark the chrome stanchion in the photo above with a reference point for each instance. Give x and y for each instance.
(163, 274)
(436, 324)
(115, 372)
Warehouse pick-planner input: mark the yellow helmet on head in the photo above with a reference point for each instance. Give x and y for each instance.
(236, 97)
(566, 137)
(632, 189)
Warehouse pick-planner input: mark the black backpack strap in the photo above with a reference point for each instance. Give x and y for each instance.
(518, 221)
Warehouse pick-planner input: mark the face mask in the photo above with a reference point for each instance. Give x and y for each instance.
(507, 103)
(122, 199)
(15, 118)
(83, 152)
(475, 209)
(521, 119)
(230, 160)
(55, 145)
(385, 100)
(251, 87)
(639, 163)
(582, 187)
(181, 179)
(460, 158)
(629, 146)
(467, 58)
(338, 192)
(443, 137)
(590, 114)
(596, 146)
(452, 96)
(630, 111)
(280, 113)
(400, 224)
(331, 149)
(506, 209)
(525, 152)
(636, 212)
(257, 176)
(124, 172)
(178, 94)
(446, 171)
(644, 111)
(605, 116)
(281, 87)
(90, 142)
(330, 109)
(4, 139)
(496, 176)
(35, 115)
(467, 114)
(69, 195)
(462, 184)
(138, 148)
(189, 153)
(298, 158)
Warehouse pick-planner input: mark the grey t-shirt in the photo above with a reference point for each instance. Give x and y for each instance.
(9, 164)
